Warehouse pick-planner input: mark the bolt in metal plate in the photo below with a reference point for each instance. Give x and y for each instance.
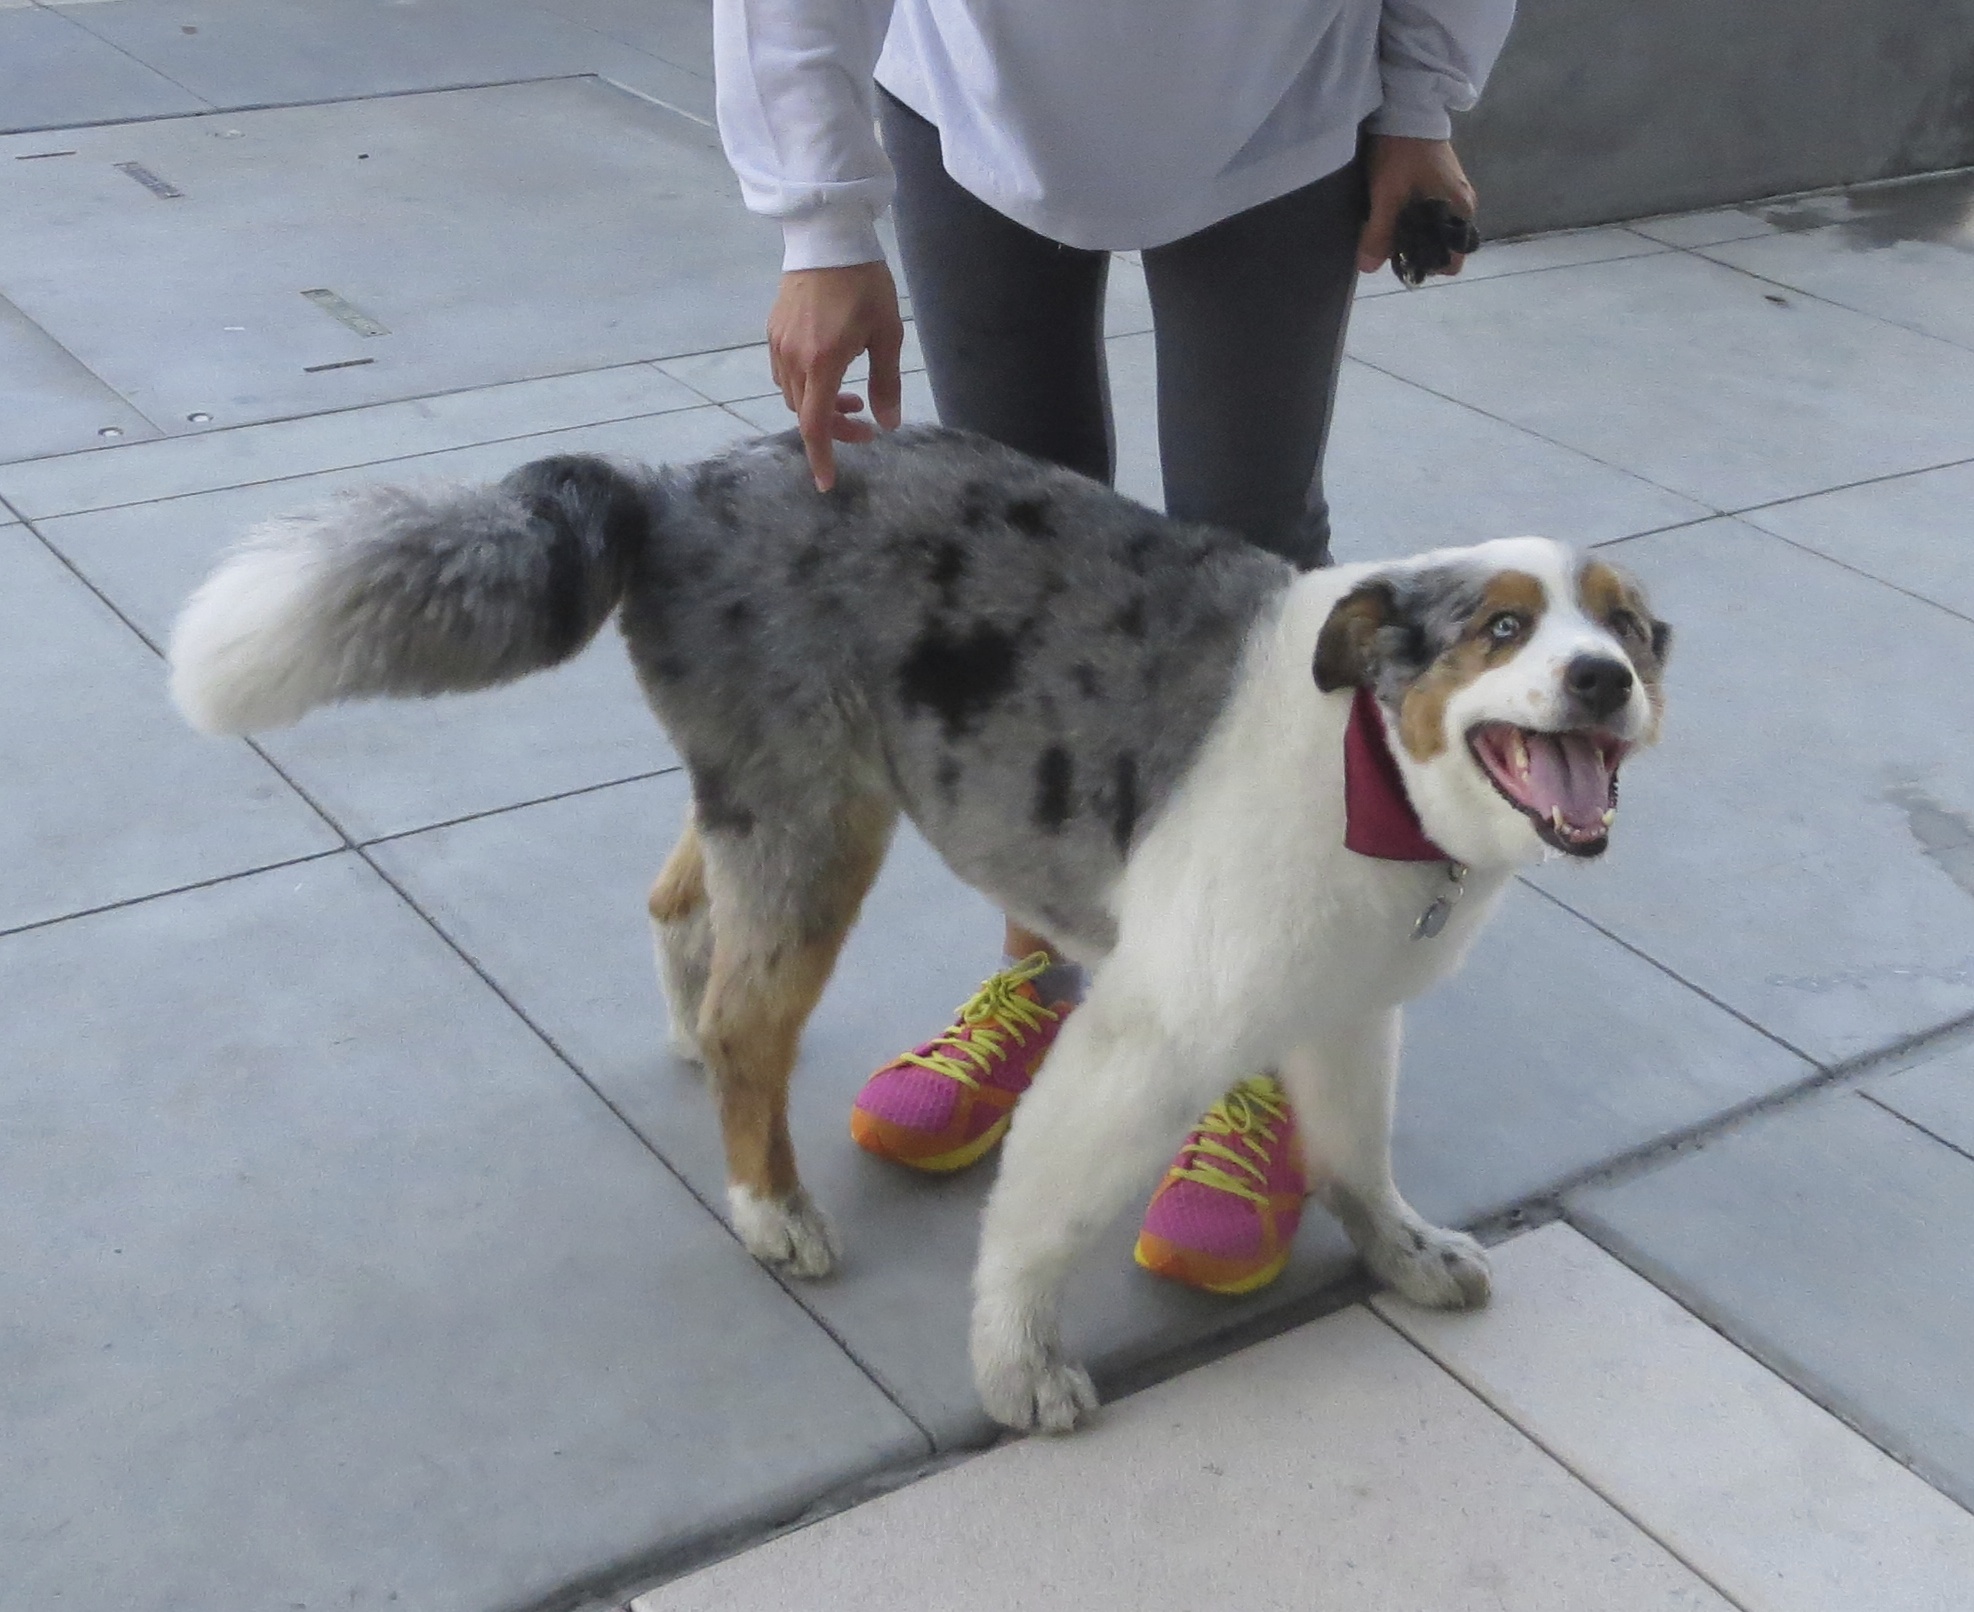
(346, 312)
(163, 189)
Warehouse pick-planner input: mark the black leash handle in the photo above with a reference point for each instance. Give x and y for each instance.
(1426, 236)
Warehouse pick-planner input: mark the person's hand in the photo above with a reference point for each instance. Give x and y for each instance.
(1401, 169)
(822, 319)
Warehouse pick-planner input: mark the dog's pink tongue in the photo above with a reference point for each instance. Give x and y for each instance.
(1564, 769)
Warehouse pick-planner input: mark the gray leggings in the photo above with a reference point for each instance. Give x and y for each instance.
(1248, 316)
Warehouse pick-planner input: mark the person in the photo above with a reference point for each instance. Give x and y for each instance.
(1257, 153)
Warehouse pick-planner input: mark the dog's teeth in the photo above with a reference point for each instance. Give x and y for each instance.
(1556, 819)
(1610, 817)
(1518, 755)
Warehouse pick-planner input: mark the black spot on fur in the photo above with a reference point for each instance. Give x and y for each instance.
(850, 496)
(947, 569)
(1138, 552)
(1124, 803)
(669, 668)
(948, 775)
(1030, 517)
(1054, 776)
(1130, 620)
(959, 676)
(976, 504)
(598, 525)
(738, 616)
(807, 562)
(714, 485)
(1088, 684)
(715, 807)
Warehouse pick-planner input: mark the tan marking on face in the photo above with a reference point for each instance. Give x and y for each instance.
(1617, 604)
(1422, 713)
(764, 982)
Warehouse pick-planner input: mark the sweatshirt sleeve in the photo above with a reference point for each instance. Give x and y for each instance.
(797, 111)
(1434, 56)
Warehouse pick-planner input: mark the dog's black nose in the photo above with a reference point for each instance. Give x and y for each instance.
(1600, 684)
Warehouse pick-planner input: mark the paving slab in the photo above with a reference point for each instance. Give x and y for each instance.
(1778, 1504)
(54, 74)
(1909, 531)
(1708, 227)
(1793, 847)
(741, 374)
(321, 257)
(135, 473)
(677, 31)
(1902, 252)
(1407, 470)
(1936, 1095)
(770, 414)
(1556, 1050)
(385, 767)
(1703, 380)
(1828, 1239)
(333, 1287)
(1334, 1467)
(284, 51)
(106, 795)
(49, 403)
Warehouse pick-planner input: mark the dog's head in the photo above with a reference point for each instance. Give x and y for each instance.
(1515, 679)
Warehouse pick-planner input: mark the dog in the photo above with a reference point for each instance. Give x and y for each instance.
(1265, 808)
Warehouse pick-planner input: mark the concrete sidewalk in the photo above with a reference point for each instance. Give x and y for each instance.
(365, 1244)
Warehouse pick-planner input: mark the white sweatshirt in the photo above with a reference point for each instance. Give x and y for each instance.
(1107, 124)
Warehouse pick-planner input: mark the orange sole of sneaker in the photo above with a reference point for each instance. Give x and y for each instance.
(1173, 1268)
(868, 1137)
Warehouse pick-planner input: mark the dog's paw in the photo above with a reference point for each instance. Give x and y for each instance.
(1434, 1267)
(1048, 1396)
(1023, 1380)
(787, 1234)
(684, 1044)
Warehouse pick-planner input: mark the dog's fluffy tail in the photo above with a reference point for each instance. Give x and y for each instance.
(410, 592)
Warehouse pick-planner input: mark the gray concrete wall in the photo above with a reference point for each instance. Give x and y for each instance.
(1607, 109)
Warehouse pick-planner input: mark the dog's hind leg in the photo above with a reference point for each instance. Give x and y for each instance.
(682, 928)
(781, 903)
(1111, 1103)
(1343, 1091)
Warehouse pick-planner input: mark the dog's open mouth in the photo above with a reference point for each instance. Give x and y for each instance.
(1566, 784)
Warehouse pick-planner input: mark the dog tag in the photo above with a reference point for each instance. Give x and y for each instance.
(1433, 919)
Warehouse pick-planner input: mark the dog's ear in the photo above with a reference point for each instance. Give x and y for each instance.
(1347, 647)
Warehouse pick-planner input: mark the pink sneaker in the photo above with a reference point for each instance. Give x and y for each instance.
(943, 1106)
(1224, 1216)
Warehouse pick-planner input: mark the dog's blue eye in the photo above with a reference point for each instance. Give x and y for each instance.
(1505, 626)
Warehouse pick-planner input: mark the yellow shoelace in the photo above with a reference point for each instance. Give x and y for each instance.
(1252, 1111)
(990, 1018)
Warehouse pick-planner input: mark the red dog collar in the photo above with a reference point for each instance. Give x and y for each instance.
(1378, 819)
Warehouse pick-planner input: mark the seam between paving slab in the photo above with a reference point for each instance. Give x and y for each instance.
(1931, 1135)
(700, 401)
(128, 55)
(1767, 1354)
(1478, 1392)
(218, 108)
(522, 805)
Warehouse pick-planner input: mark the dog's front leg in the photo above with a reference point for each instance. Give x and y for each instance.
(1343, 1090)
(1108, 1107)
